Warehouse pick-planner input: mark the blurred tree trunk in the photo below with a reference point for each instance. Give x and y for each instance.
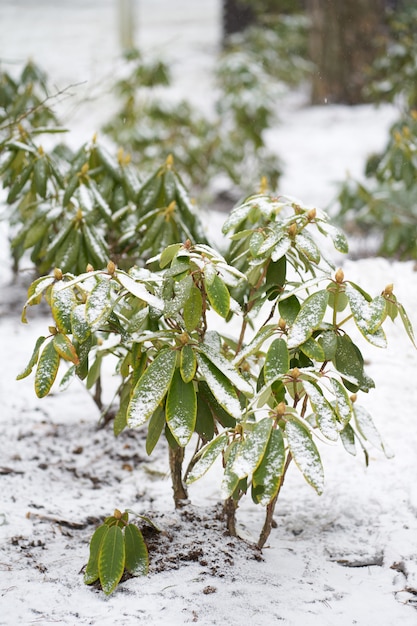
(237, 15)
(343, 43)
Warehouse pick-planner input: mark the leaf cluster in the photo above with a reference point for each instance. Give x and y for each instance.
(116, 546)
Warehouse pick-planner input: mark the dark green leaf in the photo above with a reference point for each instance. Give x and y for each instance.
(277, 361)
(308, 318)
(33, 359)
(137, 560)
(155, 428)
(91, 572)
(181, 409)
(111, 561)
(268, 475)
(221, 387)
(47, 370)
(218, 296)
(188, 363)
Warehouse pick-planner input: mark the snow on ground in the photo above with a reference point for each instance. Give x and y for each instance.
(347, 557)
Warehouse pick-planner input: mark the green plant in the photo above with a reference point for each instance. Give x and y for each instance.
(283, 374)
(384, 204)
(116, 546)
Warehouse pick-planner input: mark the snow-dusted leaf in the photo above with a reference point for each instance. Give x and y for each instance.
(230, 479)
(137, 559)
(168, 254)
(305, 454)
(139, 290)
(377, 313)
(343, 404)
(99, 303)
(207, 456)
(348, 361)
(361, 311)
(313, 350)
(323, 410)
(281, 248)
(308, 318)
(151, 388)
(226, 367)
(339, 240)
(181, 409)
(347, 435)
(193, 308)
(155, 428)
(267, 477)
(111, 560)
(63, 301)
(236, 217)
(182, 292)
(406, 323)
(367, 428)
(255, 344)
(35, 292)
(79, 325)
(46, 370)
(220, 386)
(277, 361)
(307, 246)
(253, 448)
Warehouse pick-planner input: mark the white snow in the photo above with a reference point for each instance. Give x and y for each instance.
(347, 557)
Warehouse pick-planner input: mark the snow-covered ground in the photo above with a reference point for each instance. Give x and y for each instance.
(347, 557)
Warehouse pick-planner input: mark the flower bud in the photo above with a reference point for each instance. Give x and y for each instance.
(117, 514)
(280, 410)
(295, 372)
(353, 397)
(111, 268)
(311, 215)
(57, 274)
(339, 276)
(388, 290)
(89, 268)
(282, 324)
(292, 230)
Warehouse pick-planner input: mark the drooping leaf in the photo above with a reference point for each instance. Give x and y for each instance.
(277, 361)
(204, 423)
(230, 479)
(349, 363)
(111, 561)
(91, 572)
(168, 254)
(137, 559)
(218, 296)
(313, 350)
(323, 410)
(377, 313)
(347, 436)
(361, 311)
(33, 359)
(253, 448)
(308, 318)
(343, 404)
(47, 370)
(188, 363)
(406, 323)
(139, 290)
(367, 428)
(207, 456)
(79, 325)
(267, 477)
(305, 454)
(181, 409)
(151, 388)
(220, 386)
(289, 309)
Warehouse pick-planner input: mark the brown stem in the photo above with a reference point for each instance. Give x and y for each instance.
(97, 394)
(176, 458)
(266, 529)
(229, 508)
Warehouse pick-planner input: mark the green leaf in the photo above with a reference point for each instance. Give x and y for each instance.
(33, 359)
(328, 342)
(99, 302)
(219, 296)
(206, 457)
(47, 370)
(308, 318)
(139, 290)
(188, 363)
(289, 309)
(267, 477)
(155, 428)
(255, 344)
(79, 325)
(193, 309)
(151, 388)
(63, 301)
(307, 246)
(347, 435)
(323, 410)
(378, 313)
(220, 386)
(305, 454)
(137, 559)
(348, 361)
(91, 572)
(111, 561)
(343, 402)
(277, 361)
(40, 175)
(313, 350)
(361, 311)
(94, 371)
(65, 348)
(253, 448)
(204, 423)
(181, 409)
(227, 367)
(230, 479)
(406, 323)
(168, 254)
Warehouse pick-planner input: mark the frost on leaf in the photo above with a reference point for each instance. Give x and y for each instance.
(267, 477)
(252, 451)
(220, 386)
(181, 409)
(308, 318)
(206, 458)
(323, 410)
(305, 454)
(151, 388)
